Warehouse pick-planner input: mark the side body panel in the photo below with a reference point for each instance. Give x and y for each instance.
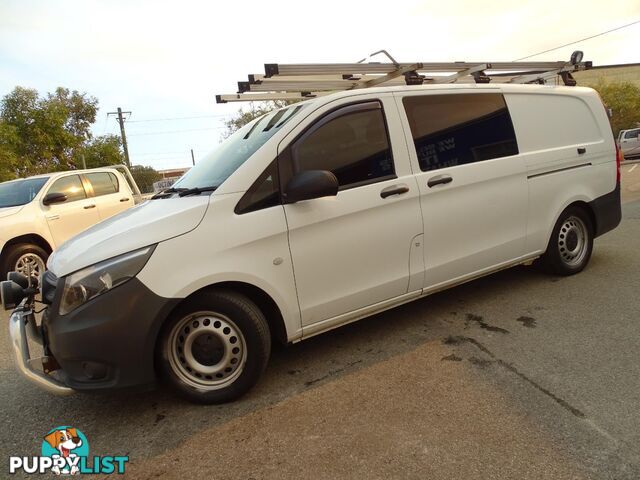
(251, 248)
(477, 221)
(553, 128)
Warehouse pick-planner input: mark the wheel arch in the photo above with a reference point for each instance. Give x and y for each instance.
(32, 238)
(262, 299)
(584, 205)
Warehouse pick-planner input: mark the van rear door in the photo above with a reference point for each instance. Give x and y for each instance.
(473, 184)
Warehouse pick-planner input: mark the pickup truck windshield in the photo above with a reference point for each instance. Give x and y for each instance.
(20, 192)
(217, 166)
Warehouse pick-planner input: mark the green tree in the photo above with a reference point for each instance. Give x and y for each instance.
(253, 111)
(9, 160)
(100, 152)
(49, 133)
(623, 98)
(145, 177)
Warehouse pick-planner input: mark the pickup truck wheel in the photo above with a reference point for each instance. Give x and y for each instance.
(215, 347)
(571, 243)
(24, 257)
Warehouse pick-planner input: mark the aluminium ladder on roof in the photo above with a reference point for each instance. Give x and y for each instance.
(300, 81)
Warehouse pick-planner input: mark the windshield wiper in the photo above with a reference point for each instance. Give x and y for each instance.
(196, 190)
(167, 192)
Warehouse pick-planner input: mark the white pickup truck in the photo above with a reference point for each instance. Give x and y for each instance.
(629, 142)
(38, 214)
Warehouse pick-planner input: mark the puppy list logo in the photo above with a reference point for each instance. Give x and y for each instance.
(65, 451)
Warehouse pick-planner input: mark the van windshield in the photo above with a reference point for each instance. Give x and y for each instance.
(217, 166)
(20, 192)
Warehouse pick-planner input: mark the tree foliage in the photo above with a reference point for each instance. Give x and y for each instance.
(145, 177)
(100, 152)
(40, 134)
(253, 111)
(623, 98)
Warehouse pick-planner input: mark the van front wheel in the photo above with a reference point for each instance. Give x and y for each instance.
(571, 243)
(215, 347)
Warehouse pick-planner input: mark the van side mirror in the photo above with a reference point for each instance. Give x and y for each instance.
(310, 184)
(52, 198)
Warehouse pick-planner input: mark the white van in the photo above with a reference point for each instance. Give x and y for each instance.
(38, 214)
(320, 214)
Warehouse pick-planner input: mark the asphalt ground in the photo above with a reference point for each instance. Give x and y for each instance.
(514, 376)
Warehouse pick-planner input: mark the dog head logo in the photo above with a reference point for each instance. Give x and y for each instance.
(65, 445)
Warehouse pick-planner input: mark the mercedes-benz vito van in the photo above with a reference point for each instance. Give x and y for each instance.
(320, 214)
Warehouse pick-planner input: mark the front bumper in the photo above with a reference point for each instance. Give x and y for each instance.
(110, 341)
(22, 321)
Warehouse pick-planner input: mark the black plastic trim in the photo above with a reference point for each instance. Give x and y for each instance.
(270, 69)
(115, 333)
(607, 211)
(556, 170)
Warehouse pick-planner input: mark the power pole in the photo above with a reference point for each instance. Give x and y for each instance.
(193, 159)
(123, 135)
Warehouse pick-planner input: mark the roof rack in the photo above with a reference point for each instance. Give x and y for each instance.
(301, 81)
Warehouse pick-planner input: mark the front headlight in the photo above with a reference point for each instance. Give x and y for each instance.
(90, 282)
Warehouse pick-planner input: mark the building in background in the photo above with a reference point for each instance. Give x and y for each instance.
(169, 177)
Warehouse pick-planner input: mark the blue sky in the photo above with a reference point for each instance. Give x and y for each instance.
(168, 60)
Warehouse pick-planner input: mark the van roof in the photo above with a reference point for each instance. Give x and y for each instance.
(501, 87)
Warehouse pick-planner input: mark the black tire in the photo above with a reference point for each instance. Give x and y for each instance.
(230, 311)
(15, 252)
(564, 240)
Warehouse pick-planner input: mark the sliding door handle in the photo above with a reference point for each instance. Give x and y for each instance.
(394, 190)
(581, 150)
(87, 207)
(439, 180)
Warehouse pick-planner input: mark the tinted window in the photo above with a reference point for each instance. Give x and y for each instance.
(264, 193)
(71, 186)
(354, 145)
(456, 129)
(20, 192)
(631, 134)
(103, 183)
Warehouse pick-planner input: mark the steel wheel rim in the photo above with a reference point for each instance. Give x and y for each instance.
(573, 241)
(212, 337)
(30, 262)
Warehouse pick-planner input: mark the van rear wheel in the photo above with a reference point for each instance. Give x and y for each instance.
(215, 347)
(571, 243)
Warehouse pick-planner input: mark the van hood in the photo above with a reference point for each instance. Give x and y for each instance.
(6, 211)
(146, 224)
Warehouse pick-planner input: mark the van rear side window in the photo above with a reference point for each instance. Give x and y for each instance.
(457, 129)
